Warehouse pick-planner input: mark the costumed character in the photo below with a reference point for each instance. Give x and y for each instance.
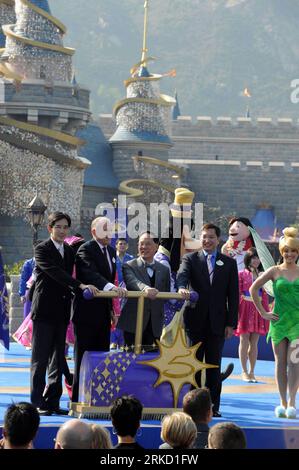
(250, 323)
(23, 335)
(284, 318)
(239, 240)
(175, 242)
(26, 274)
(173, 246)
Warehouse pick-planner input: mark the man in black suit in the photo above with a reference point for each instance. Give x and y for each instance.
(215, 277)
(95, 264)
(50, 312)
(148, 275)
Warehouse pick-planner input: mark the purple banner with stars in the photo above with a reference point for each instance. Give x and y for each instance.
(106, 376)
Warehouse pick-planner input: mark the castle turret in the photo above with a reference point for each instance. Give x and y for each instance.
(7, 16)
(34, 44)
(41, 111)
(37, 71)
(143, 117)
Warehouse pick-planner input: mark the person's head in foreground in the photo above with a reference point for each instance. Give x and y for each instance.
(126, 413)
(101, 437)
(21, 422)
(197, 403)
(74, 434)
(226, 436)
(178, 430)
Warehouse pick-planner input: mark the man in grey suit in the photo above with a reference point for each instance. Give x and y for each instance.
(145, 274)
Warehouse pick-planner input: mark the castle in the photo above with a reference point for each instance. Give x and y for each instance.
(49, 142)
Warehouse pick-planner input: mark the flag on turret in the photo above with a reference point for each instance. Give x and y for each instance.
(247, 93)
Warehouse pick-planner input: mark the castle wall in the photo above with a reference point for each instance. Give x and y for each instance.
(122, 157)
(234, 164)
(240, 140)
(240, 190)
(23, 172)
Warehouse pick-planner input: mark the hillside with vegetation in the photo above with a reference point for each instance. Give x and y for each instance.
(218, 48)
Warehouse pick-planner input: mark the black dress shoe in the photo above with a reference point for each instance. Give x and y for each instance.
(216, 414)
(60, 411)
(226, 373)
(42, 412)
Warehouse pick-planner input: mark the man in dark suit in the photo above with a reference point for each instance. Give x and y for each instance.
(50, 312)
(145, 274)
(215, 277)
(95, 264)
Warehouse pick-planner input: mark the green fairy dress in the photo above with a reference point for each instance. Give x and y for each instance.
(286, 295)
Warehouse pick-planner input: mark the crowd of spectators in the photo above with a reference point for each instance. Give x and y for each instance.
(187, 429)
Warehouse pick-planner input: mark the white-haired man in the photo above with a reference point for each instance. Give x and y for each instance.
(95, 260)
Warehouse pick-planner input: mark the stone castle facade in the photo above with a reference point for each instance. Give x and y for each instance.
(41, 110)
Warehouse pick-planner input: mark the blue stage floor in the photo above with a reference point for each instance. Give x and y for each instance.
(251, 406)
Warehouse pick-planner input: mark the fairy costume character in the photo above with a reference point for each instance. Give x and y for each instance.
(284, 327)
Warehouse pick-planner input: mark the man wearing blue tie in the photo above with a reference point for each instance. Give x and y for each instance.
(215, 277)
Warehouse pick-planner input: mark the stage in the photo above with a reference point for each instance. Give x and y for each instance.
(251, 406)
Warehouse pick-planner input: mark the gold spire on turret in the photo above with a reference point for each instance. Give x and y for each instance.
(144, 57)
(145, 24)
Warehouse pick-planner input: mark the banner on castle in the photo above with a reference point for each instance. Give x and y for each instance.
(4, 311)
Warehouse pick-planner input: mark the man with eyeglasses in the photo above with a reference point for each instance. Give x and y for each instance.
(148, 275)
(50, 313)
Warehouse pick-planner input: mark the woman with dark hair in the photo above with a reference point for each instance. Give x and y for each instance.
(250, 324)
(126, 413)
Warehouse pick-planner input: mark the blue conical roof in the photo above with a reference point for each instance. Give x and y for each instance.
(43, 4)
(99, 152)
(143, 72)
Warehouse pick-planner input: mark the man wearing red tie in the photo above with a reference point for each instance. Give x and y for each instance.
(215, 277)
(96, 261)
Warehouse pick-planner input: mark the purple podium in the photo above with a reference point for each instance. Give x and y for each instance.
(104, 376)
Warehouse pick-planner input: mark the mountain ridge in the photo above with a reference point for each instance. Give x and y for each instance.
(218, 47)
